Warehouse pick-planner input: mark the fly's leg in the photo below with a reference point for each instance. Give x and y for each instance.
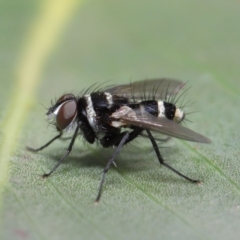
(118, 140)
(69, 149)
(110, 162)
(165, 164)
(45, 145)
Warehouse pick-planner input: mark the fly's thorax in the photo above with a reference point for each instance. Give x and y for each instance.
(64, 113)
(124, 111)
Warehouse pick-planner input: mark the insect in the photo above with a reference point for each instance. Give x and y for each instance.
(116, 115)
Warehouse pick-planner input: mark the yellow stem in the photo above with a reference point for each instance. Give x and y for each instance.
(41, 41)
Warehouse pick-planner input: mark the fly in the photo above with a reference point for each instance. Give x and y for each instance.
(117, 115)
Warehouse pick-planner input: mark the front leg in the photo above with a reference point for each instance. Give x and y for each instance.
(45, 145)
(69, 149)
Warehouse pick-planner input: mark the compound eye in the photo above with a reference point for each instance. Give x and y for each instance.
(66, 113)
(64, 97)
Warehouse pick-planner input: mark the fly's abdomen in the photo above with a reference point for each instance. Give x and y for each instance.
(157, 108)
(150, 106)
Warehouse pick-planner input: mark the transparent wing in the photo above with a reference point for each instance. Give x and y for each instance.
(140, 118)
(158, 137)
(161, 88)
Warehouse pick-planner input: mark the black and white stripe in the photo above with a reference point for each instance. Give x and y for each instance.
(99, 103)
(91, 114)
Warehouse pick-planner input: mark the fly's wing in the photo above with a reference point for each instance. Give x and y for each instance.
(159, 88)
(140, 118)
(161, 138)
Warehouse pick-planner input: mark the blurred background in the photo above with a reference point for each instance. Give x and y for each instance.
(48, 48)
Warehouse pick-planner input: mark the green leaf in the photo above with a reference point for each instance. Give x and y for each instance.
(194, 41)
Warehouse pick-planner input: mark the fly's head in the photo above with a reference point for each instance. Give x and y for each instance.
(63, 113)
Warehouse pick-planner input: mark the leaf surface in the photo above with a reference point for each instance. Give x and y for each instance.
(114, 42)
